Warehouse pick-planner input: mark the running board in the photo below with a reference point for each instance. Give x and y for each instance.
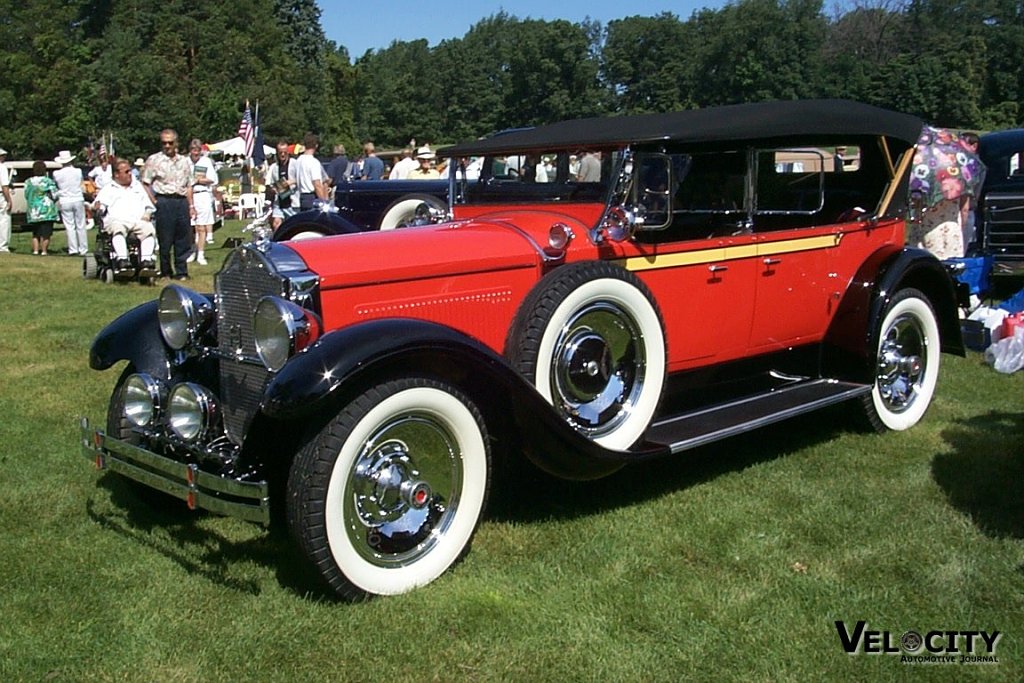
(690, 430)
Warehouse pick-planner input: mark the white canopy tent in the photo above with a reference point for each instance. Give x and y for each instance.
(236, 147)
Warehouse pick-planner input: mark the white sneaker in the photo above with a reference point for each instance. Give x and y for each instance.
(209, 238)
(201, 259)
(191, 257)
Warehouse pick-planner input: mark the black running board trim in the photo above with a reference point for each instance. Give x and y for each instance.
(690, 430)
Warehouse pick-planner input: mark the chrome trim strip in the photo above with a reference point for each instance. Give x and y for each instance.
(730, 253)
(180, 480)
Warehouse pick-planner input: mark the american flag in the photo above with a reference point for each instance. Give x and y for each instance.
(247, 132)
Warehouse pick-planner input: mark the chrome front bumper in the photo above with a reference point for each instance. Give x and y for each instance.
(199, 489)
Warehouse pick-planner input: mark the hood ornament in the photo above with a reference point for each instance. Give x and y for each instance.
(260, 232)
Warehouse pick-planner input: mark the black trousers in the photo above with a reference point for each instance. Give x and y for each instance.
(173, 231)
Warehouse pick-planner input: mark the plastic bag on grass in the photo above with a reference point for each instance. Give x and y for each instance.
(1007, 355)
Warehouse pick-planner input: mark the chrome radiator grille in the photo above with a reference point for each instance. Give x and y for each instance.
(247, 276)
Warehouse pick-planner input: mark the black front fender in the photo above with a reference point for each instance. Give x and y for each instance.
(356, 356)
(134, 337)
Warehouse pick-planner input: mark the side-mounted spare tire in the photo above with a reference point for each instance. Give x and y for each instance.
(591, 340)
(402, 212)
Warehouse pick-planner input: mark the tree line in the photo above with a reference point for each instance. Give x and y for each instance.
(78, 70)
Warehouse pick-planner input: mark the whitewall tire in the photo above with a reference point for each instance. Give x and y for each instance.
(906, 363)
(592, 342)
(388, 496)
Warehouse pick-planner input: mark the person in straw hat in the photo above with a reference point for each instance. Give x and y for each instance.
(425, 169)
(71, 203)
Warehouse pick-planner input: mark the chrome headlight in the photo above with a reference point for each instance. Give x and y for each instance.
(191, 411)
(183, 316)
(282, 329)
(142, 399)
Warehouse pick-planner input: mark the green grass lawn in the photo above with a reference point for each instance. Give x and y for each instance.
(729, 563)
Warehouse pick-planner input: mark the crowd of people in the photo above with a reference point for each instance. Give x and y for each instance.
(169, 198)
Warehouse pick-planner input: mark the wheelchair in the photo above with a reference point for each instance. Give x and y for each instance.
(103, 263)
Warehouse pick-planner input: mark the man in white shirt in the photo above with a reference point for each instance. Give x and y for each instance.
(401, 168)
(71, 202)
(307, 174)
(127, 209)
(5, 204)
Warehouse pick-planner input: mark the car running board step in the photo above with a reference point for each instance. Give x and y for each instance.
(690, 430)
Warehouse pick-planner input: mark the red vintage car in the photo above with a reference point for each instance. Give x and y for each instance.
(609, 290)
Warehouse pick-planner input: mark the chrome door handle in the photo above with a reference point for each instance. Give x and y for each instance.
(772, 261)
(717, 268)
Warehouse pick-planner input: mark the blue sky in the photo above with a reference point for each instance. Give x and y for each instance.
(370, 25)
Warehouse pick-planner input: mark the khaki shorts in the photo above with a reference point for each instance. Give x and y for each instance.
(139, 228)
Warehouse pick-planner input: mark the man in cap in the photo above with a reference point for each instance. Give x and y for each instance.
(71, 202)
(5, 204)
(425, 169)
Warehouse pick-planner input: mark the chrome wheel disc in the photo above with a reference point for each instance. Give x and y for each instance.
(901, 363)
(403, 491)
(597, 370)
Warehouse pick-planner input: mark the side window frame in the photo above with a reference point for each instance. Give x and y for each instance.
(760, 169)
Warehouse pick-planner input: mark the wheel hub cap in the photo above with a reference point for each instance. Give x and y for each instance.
(403, 488)
(901, 364)
(598, 368)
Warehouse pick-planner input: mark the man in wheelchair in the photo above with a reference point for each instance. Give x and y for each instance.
(127, 210)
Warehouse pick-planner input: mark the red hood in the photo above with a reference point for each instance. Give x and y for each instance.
(417, 253)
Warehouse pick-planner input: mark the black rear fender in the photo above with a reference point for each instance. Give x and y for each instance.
(852, 336)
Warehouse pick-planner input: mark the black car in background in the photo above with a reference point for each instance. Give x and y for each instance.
(366, 205)
(1000, 216)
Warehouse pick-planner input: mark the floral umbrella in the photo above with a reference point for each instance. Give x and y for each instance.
(945, 167)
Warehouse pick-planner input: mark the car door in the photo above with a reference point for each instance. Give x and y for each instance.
(696, 256)
(794, 282)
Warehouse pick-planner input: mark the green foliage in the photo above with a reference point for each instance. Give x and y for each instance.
(76, 70)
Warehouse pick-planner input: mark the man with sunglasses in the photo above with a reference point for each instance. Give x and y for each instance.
(167, 177)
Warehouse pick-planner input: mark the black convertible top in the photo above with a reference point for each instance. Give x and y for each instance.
(780, 119)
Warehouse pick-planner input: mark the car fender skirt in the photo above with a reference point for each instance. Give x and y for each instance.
(313, 381)
(135, 337)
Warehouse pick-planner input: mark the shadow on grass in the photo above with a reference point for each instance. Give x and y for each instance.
(532, 496)
(164, 524)
(983, 476)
